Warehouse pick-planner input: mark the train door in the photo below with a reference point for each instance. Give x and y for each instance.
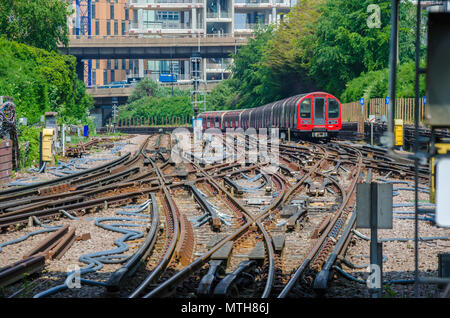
(319, 111)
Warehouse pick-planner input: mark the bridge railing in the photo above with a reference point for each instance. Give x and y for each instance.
(153, 121)
(404, 109)
(165, 36)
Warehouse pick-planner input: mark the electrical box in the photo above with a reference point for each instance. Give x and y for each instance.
(384, 205)
(398, 132)
(438, 69)
(47, 140)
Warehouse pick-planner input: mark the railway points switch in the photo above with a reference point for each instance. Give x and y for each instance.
(47, 140)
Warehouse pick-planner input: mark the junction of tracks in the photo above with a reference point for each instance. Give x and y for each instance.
(145, 225)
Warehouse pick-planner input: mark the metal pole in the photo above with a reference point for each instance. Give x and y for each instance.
(416, 149)
(375, 292)
(40, 150)
(371, 133)
(392, 71)
(63, 140)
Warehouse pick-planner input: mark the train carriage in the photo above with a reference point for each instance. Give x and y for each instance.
(315, 114)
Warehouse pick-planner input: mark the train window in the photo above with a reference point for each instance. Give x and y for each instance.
(333, 108)
(305, 108)
(216, 124)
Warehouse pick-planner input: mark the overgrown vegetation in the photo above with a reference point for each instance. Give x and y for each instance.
(41, 24)
(41, 81)
(34, 74)
(152, 100)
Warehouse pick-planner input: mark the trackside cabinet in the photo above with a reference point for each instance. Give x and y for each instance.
(47, 140)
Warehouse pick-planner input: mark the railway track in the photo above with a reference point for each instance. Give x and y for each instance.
(220, 229)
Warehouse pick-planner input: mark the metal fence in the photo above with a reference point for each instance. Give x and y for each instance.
(404, 109)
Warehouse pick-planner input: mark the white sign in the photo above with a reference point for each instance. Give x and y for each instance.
(442, 197)
(371, 118)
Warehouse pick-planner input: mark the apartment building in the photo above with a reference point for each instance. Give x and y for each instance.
(108, 18)
(168, 18)
(210, 18)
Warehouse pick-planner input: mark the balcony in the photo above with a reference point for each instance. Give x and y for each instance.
(218, 15)
(164, 4)
(248, 27)
(263, 4)
(164, 27)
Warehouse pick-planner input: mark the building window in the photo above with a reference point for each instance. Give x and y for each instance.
(131, 67)
(124, 64)
(93, 11)
(111, 11)
(97, 27)
(168, 15)
(105, 77)
(94, 77)
(123, 27)
(108, 64)
(116, 27)
(97, 63)
(113, 77)
(108, 27)
(116, 64)
(127, 14)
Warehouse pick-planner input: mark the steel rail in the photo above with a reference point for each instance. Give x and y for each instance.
(318, 244)
(116, 279)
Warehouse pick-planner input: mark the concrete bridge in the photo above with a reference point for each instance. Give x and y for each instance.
(133, 47)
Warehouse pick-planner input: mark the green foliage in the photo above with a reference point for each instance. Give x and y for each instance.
(40, 23)
(176, 106)
(29, 145)
(41, 81)
(149, 99)
(148, 87)
(375, 84)
(222, 96)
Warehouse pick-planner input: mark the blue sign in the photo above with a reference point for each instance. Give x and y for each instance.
(168, 78)
(387, 101)
(361, 101)
(424, 100)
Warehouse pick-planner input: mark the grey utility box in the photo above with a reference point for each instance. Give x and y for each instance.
(384, 205)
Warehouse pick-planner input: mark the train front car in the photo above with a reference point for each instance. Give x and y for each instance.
(318, 115)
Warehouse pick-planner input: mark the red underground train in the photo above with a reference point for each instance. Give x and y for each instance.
(316, 115)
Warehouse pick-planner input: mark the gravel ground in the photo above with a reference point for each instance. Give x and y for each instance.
(55, 271)
(127, 144)
(400, 261)
(398, 265)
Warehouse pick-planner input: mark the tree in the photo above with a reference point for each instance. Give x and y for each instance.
(40, 23)
(145, 87)
(150, 88)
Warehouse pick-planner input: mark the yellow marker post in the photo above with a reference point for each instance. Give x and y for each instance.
(47, 140)
(398, 132)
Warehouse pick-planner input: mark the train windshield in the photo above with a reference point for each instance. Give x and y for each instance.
(305, 108)
(333, 108)
(319, 111)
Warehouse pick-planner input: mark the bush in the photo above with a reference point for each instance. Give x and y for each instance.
(41, 81)
(30, 135)
(376, 84)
